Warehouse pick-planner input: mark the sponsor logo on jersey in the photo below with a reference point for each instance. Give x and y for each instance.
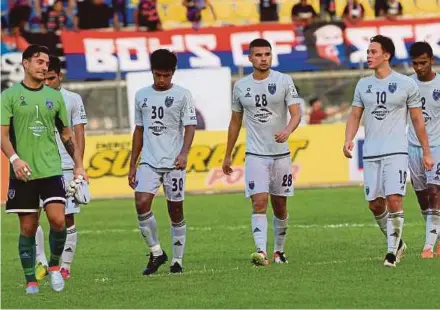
(392, 87)
(272, 88)
(426, 116)
(263, 115)
(251, 184)
(157, 128)
(169, 101)
(436, 94)
(49, 104)
(380, 112)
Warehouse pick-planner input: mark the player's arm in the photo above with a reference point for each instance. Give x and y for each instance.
(21, 168)
(189, 121)
(79, 120)
(353, 121)
(233, 133)
(136, 148)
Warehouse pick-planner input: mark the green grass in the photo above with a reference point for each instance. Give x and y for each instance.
(334, 247)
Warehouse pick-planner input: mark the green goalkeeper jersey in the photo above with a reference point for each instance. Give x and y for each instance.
(33, 116)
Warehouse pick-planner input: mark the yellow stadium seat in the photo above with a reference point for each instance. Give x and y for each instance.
(429, 6)
(285, 11)
(175, 12)
(246, 11)
(222, 9)
(409, 8)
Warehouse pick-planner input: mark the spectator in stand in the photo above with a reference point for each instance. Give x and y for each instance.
(19, 14)
(55, 18)
(269, 11)
(379, 7)
(353, 12)
(303, 14)
(194, 10)
(392, 9)
(120, 7)
(43, 6)
(330, 8)
(317, 114)
(146, 15)
(95, 15)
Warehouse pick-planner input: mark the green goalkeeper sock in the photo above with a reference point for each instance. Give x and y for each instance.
(57, 239)
(26, 250)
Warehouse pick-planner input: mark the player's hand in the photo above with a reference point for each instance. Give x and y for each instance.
(80, 171)
(282, 136)
(181, 161)
(132, 177)
(348, 148)
(428, 161)
(21, 169)
(227, 166)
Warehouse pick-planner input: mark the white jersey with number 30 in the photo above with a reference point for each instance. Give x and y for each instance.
(163, 114)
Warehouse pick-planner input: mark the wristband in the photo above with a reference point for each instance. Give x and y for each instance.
(13, 158)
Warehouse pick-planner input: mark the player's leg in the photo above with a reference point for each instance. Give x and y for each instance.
(433, 217)
(72, 236)
(53, 194)
(23, 199)
(148, 181)
(174, 188)
(418, 178)
(257, 176)
(395, 176)
(281, 186)
(41, 259)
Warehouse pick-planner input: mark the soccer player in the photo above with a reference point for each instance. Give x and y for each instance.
(77, 119)
(165, 120)
(427, 183)
(30, 112)
(386, 97)
(265, 97)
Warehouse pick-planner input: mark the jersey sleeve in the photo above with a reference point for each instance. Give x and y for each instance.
(414, 100)
(137, 112)
(61, 116)
(188, 112)
(6, 109)
(78, 112)
(236, 104)
(291, 95)
(357, 99)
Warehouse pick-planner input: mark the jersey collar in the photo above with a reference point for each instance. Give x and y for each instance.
(32, 89)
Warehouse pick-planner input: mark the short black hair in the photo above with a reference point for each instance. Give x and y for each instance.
(54, 64)
(259, 43)
(313, 100)
(386, 44)
(420, 48)
(163, 59)
(33, 50)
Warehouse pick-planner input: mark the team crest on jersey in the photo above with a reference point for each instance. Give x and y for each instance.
(169, 101)
(272, 88)
(251, 184)
(11, 193)
(49, 104)
(436, 94)
(392, 87)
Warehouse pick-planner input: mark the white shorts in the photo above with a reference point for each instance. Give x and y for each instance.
(148, 180)
(268, 175)
(420, 177)
(385, 177)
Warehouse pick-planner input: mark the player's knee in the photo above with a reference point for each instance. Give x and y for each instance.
(143, 204)
(434, 191)
(57, 223)
(175, 211)
(259, 205)
(394, 203)
(29, 230)
(70, 220)
(377, 206)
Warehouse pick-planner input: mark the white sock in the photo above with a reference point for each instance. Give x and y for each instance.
(382, 222)
(259, 230)
(280, 232)
(432, 228)
(148, 228)
(69, 247)
(39, 240)
(425, 214)
(178, 238)
(394, 231)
